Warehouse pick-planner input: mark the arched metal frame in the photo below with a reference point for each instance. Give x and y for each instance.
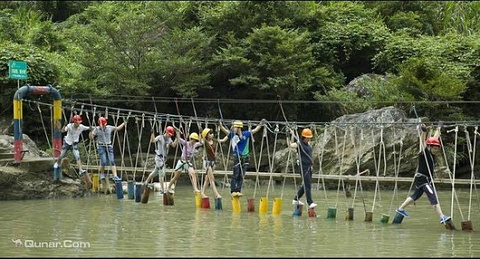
(18, 117)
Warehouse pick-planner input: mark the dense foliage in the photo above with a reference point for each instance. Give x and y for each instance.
(298, 51)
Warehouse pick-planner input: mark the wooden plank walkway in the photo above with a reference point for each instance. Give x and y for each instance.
(220, 174)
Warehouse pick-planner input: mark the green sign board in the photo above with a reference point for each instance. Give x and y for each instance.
(17, 69)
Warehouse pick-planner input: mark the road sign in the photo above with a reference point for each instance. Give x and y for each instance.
(17, 69)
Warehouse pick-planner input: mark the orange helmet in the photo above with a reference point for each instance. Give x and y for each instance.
(77, 118)
(307, 133)
(102, 121)
(433, 141)
(170, 131)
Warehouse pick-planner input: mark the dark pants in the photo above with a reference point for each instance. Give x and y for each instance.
(240, 166)
(423, 185)
(306, 186)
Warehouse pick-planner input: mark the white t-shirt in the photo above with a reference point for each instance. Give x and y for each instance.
(73, 134)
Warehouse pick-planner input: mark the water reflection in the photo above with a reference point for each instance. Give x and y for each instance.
(126, 228)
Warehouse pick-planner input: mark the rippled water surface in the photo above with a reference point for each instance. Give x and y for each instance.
(103, 226)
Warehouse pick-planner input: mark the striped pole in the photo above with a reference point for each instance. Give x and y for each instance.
(18, 116)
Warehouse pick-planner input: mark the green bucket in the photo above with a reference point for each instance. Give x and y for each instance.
(331, 213)
(384, 218)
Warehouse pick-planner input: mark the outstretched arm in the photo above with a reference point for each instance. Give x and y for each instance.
(256, 129)
(225, 130)
(152, 138)
(120, 127)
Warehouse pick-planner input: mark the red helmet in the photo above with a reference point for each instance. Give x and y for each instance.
(77, 118)
(102, 121)
(170, 131)
(433, 141)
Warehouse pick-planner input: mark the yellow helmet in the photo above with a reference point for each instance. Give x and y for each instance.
(205, 132)
(238, 124)
(194, 136)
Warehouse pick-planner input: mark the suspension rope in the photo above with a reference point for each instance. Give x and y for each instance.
(320, 161)
(271, 161)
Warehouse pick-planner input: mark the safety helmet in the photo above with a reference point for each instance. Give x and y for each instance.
(205, 132)
(194, 136)
(238, 124)
(433, 141)
(102, 121)
(170, 131)
(77, 118)
(307, 133)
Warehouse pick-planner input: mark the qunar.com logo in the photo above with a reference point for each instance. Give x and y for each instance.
(67, 243)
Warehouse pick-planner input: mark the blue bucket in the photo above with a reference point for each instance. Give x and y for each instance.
(131, 190)
(119, 189)
(218, 203)
(57, 172)
(138, 192)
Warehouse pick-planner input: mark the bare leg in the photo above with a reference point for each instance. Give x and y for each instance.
(438, 209)
(205, 186)
(114, 170)
(212, 182)
(193, 179)
(162, 183)
(173, 180)
(407, 202)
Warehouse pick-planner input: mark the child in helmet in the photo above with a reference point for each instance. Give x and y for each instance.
(185, 163)
(163, 143)
(209, 143)
(103, 132)
(304, 149)
(241, 153)
(424, 175)
(74, 130)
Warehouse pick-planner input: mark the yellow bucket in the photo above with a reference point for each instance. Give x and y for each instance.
(95, 183)
(198, 200)
(263, 205)
(277, 206)
(235, 204)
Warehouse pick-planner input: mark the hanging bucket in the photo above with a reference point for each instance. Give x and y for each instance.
(95, 183)
(398, 218)
(57, 172)
(168, 199)
(218, 203)
(235, 204)
(251, 205)
(206, 203)
(145, 194)
(368, 216)
(119, 189)
(449, 225)
(384, 218)
(277, 206)
(263, 205)
(198, 200)
(297, 209)
(311, 212)
(131, 190)
(467, 225)
(138, 192)
(331, 213)
(349, 215)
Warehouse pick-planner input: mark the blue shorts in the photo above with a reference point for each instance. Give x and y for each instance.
(106, 152)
